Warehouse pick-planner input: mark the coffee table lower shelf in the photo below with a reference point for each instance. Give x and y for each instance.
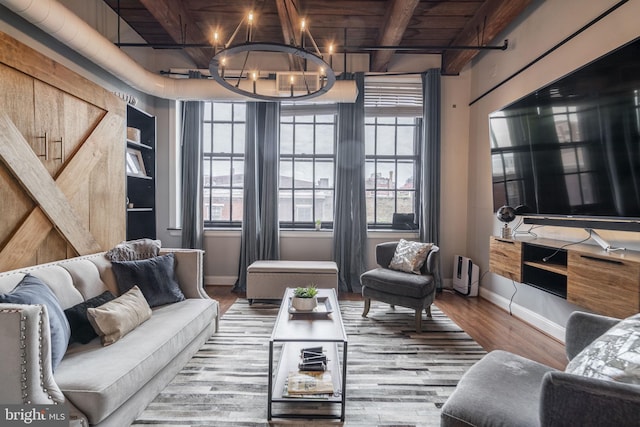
(289, 359)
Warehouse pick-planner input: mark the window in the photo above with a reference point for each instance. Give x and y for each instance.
(307, 164)
(391, 168)
(223, 163)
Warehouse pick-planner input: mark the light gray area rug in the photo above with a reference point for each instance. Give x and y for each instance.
(395, 377)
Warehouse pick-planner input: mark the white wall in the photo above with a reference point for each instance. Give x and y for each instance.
(544, 25)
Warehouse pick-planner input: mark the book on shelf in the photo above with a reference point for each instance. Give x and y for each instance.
(309, 383)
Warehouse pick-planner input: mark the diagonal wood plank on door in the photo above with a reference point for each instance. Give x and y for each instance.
(23, 163)
(28, 236)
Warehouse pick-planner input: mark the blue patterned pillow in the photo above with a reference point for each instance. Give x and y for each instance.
(33, 291)
(154, 276)
(614, 356)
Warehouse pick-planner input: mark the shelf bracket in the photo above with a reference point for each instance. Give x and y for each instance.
(600, 241)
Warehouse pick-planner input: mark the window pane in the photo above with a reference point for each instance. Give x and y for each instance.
(206, 172)
(386, 140)
(385, 175)
(286, 173)
(406, 178)
(324, 139)
(303, 207)
(220, 172)
(284, 206)
(406, 120)
(370, 198)
(369, 140)
(406, 202)
(387, 120)
(303, 171)
(324, 174)
(221, 198)
(324, 206)
(405, 140)
(304, 139)
(286, 139)
(206, 137)
(237, 173)
(207, 110)
(385, 206)
(370, 174)
(221, 138)
(236, 206)
(239, 112)
(221, 112)
(325, 118)
(238, 138)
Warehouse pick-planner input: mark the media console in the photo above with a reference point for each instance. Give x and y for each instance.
(604, 282)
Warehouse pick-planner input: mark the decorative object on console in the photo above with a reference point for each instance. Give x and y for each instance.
(506, 214)
(305, 299)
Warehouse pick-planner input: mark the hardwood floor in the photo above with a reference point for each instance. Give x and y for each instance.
(491, 327)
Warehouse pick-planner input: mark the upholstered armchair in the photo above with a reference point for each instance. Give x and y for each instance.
(504, 389)
(395, 287)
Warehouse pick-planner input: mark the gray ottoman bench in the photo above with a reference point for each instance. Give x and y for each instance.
(269, 279)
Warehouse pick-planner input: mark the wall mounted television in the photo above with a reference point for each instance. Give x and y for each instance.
(572, 148)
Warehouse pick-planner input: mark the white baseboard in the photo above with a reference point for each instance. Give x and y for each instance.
(526, 315)
(220, 280)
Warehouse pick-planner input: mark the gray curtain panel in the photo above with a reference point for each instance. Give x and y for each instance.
(260, 227)
(350, 217)
(430, 163)
(192, 221)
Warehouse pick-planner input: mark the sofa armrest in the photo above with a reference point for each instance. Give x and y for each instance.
(431, 264)
(568, 399)
(25, 372)
(189, 271)
(583, 328)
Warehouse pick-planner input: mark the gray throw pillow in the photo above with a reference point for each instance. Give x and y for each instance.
(154, 276)
(33, 291)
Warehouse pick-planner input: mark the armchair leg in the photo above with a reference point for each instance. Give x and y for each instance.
(418, 321)
(367, 306)
(428, 310)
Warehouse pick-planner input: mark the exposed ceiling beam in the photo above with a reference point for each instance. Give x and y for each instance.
(490, 19)
(397, 19)
(177, 21)
(290, 23)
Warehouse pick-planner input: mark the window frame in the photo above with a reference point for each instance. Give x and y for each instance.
(396, 159)
(232, 157)
(313, 158)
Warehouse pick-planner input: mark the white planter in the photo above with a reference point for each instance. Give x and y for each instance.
(304, 304)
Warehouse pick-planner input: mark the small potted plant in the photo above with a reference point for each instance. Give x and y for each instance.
(304, 299)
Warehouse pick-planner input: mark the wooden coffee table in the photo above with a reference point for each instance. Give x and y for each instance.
(292, 332)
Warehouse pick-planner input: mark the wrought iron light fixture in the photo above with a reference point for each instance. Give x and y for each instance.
(309, 74)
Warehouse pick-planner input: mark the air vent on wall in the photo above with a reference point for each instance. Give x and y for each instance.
(302, 82)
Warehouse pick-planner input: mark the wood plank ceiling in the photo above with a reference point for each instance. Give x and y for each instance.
(348, 24)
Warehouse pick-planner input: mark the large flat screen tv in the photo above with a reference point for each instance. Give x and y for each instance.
(572, 148)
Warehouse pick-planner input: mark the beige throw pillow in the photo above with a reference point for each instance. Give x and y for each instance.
(410, 256)
(120, 316)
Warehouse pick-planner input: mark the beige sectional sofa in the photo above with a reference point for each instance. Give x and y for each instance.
(101, 385)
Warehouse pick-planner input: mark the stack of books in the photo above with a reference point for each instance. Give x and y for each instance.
(312, 379)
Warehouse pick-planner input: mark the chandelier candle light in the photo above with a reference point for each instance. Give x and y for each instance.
(309, 75)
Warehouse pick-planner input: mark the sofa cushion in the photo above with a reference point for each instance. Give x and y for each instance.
(501, 386)
(398, 283)
(98, 380)
(117, 318)
(409, 256)
(81, 330)
(32, 290)
(154, 276)
(614, 356)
